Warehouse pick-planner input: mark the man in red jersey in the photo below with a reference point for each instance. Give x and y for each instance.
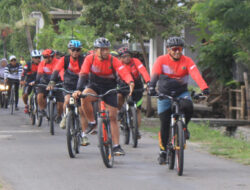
(101, 68)
(172, 71)
(44, 73)
(29, 76)
(136, 69)
(71, 65)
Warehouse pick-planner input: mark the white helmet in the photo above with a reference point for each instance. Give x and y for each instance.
(36, 53)
(12, 57)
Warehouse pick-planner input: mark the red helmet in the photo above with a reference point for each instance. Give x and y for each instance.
(48, 52)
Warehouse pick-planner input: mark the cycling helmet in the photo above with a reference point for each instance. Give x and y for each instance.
(48, 52)
(36, 53)
(123, 50)
(175, 41)
(74, 44)
(114, 53)
(12, 57)
(102, 43)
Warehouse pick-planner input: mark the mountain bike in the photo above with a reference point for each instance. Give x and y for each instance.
(51, 106)
(73, 126)
(129, 122)
(104, 130)
(177, 140)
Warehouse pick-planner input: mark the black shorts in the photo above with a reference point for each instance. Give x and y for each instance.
(110, 99)
(58, 94)
(27, 89)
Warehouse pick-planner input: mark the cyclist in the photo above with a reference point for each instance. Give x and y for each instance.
(29, 76)
(101, 69)
(44, 73)
(136, 69)
(171, 71)
(12, 76)
(71, 64)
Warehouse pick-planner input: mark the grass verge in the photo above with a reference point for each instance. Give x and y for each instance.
(211, 140)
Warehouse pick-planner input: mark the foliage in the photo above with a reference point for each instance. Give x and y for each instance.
(48, 38)
(228, 39)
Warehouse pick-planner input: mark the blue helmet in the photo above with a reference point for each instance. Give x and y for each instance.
(74, 44)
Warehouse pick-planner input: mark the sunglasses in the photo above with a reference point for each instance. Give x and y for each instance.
(76, 49)
(37, 57)
(13, 60)
(175, 49)
(46, 57)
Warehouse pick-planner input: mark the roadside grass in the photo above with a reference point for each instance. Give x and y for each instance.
(211, 140)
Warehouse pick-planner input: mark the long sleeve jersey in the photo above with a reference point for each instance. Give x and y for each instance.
(173, 75)
(13, 71)
(103, 70)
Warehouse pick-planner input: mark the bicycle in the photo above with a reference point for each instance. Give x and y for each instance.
(33, 109)
(12, 99)
(129, 120)
(104, 130)
(177, 140)
(51, 106)
(73, 126)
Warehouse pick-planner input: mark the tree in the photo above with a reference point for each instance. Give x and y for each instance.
(137, 20)
(228, 39)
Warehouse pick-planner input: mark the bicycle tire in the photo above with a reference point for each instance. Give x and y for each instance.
(105, 143)
(1, 99)
(5, 101)
(51, 117)
(71, 142)
(125, 128)
(78, 134)
(180, 150)
(134, 129)
(170, 150)
(32, 111)
(12, 99)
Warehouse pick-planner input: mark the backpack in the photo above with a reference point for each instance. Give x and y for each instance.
(67, 60)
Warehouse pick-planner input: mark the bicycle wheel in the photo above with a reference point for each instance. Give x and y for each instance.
(78, 135)
(51, 117)
(71, 135)
(5, 99)
(105, 143)
(1, 100)
(180, 148)
(32, 110)
(134, 126)
(170, 150)
(39, 118)
(125, 128)
(12, 93)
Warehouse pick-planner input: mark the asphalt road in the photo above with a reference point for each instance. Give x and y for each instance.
(32, 159)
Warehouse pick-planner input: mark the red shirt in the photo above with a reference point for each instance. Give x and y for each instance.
(178, 69)
(73, 65)
(103, 68)
(135, 67)
(47, 68)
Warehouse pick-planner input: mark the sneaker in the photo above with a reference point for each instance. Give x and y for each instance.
(26, 109)
(91, 128)
(187, 134)
(162, 158)
(16, 108)
(118, 151)
(85, 141)
(58, 119)
(63, 123)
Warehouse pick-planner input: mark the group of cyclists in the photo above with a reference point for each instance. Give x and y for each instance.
(100, 71)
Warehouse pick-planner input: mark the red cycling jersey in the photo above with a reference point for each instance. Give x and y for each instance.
(44, 68)
(135, 67)
(178, 69)
(73, 65)
(103, 68)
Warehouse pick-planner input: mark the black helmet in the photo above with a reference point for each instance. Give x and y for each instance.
(175, 41)
(123, 50)
(102, 43)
